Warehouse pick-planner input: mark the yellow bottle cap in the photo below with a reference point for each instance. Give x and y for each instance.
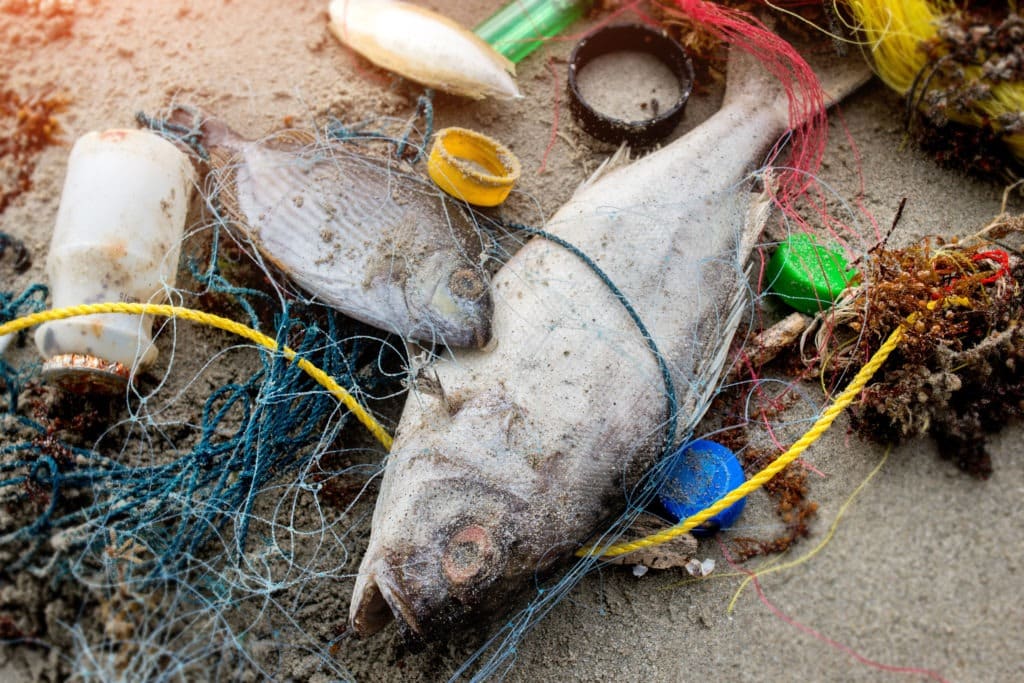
(472, 167)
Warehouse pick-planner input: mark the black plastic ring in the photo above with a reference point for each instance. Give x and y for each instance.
(630, 38)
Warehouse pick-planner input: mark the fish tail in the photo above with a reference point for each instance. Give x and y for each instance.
(751, 83)
(767, 72)
(215, 132)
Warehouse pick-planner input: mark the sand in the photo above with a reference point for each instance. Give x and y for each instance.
(923, 570)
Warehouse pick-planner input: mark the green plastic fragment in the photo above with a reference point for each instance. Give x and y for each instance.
(522, 26)
(807, 275)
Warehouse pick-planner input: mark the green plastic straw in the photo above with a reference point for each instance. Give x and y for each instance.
(521, 26)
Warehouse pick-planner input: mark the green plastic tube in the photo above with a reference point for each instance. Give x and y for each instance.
(522, 26)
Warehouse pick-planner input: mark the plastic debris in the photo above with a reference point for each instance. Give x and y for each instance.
(642, 132)
(117, 237)
(522, 26)
(472, 167)
(697, 567)
(703, 472)
(808, 276)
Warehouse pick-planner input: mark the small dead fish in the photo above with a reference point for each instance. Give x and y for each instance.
(383, 246)
(532, 443)
(423, 46)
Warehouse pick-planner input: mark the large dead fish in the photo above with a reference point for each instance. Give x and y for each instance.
(384, 246)
(508, 460)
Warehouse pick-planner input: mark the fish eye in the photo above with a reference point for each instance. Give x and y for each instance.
(467, 283)
(467, 554)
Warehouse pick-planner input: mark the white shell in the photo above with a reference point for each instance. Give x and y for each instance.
(423, 46)
(117, 238)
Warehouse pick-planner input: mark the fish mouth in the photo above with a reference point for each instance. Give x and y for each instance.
(377, 600)
(482, 334)
(469, 329)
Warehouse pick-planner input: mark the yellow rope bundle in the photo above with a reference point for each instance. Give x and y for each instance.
(894, 33)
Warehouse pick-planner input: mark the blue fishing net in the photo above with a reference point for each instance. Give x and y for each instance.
(198, 537)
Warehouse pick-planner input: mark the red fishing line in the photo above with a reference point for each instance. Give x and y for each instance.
(1000, 257)
(806, 97)
(554, 116)
(814, 633)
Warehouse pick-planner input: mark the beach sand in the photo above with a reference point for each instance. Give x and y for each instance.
(922, 572)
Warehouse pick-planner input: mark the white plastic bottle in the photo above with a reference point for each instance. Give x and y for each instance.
(117, 238)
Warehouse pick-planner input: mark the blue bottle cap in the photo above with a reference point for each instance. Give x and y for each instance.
(700, 473)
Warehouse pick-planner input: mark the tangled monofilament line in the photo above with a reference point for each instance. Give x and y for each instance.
(172, 516)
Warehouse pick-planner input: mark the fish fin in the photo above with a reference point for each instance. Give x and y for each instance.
(749, 84)
(217, 133)
(714, 368)
(291, 138)
(758, 213)
(842, 77)
(621, 157)
(708, 375)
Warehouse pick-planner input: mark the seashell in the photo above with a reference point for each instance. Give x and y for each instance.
(423, 46)
(117, 238)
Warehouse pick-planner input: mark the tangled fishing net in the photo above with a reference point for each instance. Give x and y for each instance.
(210, 545)
(201, 539)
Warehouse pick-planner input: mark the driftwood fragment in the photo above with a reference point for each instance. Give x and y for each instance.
(675, 553)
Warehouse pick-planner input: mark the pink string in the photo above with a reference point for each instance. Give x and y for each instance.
(554, 117)
(928, 673)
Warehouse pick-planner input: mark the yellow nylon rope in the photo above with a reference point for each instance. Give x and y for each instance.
(764, 476)
(168, 311)
(762, 571)
(895, 32)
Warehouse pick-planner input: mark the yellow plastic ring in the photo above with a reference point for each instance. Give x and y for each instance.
(472, 167)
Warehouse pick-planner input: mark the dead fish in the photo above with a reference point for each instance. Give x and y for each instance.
(379, 244)
(530, 446)
(423, 46)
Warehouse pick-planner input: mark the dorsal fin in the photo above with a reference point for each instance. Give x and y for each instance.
(621, 157)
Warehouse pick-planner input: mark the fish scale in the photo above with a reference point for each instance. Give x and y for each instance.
(275, 178)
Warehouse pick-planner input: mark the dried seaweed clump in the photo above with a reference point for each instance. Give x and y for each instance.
(27, 125)
(969, 95)
(959, 372)
(788, 489)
